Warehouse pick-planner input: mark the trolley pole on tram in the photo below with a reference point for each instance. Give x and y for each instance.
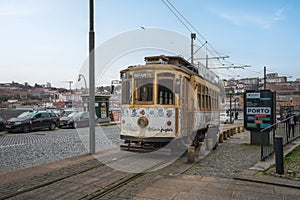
(91, 79)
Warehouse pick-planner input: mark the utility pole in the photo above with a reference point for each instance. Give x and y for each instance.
(92, 79)
(70, 85)
(265, 77)
(193, 37)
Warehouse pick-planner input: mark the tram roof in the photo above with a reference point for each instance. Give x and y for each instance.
(176, 62)
(167, 61)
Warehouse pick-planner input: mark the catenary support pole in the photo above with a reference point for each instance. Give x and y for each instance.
(91, 80)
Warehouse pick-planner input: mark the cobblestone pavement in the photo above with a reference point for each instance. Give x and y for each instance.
(20, 150)
(229, 159)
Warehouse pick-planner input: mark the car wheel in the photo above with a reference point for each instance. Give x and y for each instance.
(26, 128)
(52, 127)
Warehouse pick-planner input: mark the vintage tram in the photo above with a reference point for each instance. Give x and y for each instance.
(167, 98)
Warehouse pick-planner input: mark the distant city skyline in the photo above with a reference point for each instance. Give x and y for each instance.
(47, 41)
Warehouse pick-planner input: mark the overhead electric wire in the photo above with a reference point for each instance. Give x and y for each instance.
(166, 2)
(186, 23)
(177, 17)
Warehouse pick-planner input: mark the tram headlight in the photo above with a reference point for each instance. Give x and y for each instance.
(142, 122)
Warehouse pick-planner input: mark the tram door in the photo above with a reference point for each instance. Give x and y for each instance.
(187, 113)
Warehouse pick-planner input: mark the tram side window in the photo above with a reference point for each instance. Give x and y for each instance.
(199, 97)
(144, 90)
(206, 98)
(165, 89)
(209, 94)
(198, 101)
(126, 92)
(215, 105)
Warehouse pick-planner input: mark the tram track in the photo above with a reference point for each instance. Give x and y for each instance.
(120, 184)
(108, 179)
(148, 173)
(47, 183)
(113, 187)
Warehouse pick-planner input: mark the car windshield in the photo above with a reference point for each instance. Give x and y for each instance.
(73, 114)
(84, 114)
(25, 115)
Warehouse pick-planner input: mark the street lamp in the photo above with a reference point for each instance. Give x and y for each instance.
(79, 78)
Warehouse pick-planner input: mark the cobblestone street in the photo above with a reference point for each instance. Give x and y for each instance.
(20, 150)
(229, 159)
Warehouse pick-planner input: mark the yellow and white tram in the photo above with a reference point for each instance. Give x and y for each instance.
(167, 98)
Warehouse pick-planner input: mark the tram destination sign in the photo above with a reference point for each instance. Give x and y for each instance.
(142, 75)
(259, 109)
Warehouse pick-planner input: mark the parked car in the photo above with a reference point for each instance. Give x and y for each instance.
(55, 113)
(32, 120)
(75, 120)
(225, 119)
(2, 124)
(66, 112)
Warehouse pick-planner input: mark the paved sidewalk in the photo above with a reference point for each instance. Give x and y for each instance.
(244, 185)
(197, 187)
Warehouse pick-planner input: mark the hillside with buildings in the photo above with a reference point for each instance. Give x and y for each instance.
(16, 95)
(287, 92)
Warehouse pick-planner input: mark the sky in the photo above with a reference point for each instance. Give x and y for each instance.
(47, 40)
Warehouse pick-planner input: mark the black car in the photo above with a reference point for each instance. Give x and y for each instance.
(2, 124)
(32, 120)
(75, 120)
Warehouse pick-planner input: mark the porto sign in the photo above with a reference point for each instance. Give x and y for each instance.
(259, 109)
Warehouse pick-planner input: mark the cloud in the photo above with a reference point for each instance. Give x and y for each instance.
(242, 18)
(279, 14)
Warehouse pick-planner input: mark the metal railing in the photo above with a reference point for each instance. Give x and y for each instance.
(282, 129)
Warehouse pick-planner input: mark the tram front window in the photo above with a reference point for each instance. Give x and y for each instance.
(144, 90)
(165, 89)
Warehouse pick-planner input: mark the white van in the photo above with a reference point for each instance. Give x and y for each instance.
(224, 118)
